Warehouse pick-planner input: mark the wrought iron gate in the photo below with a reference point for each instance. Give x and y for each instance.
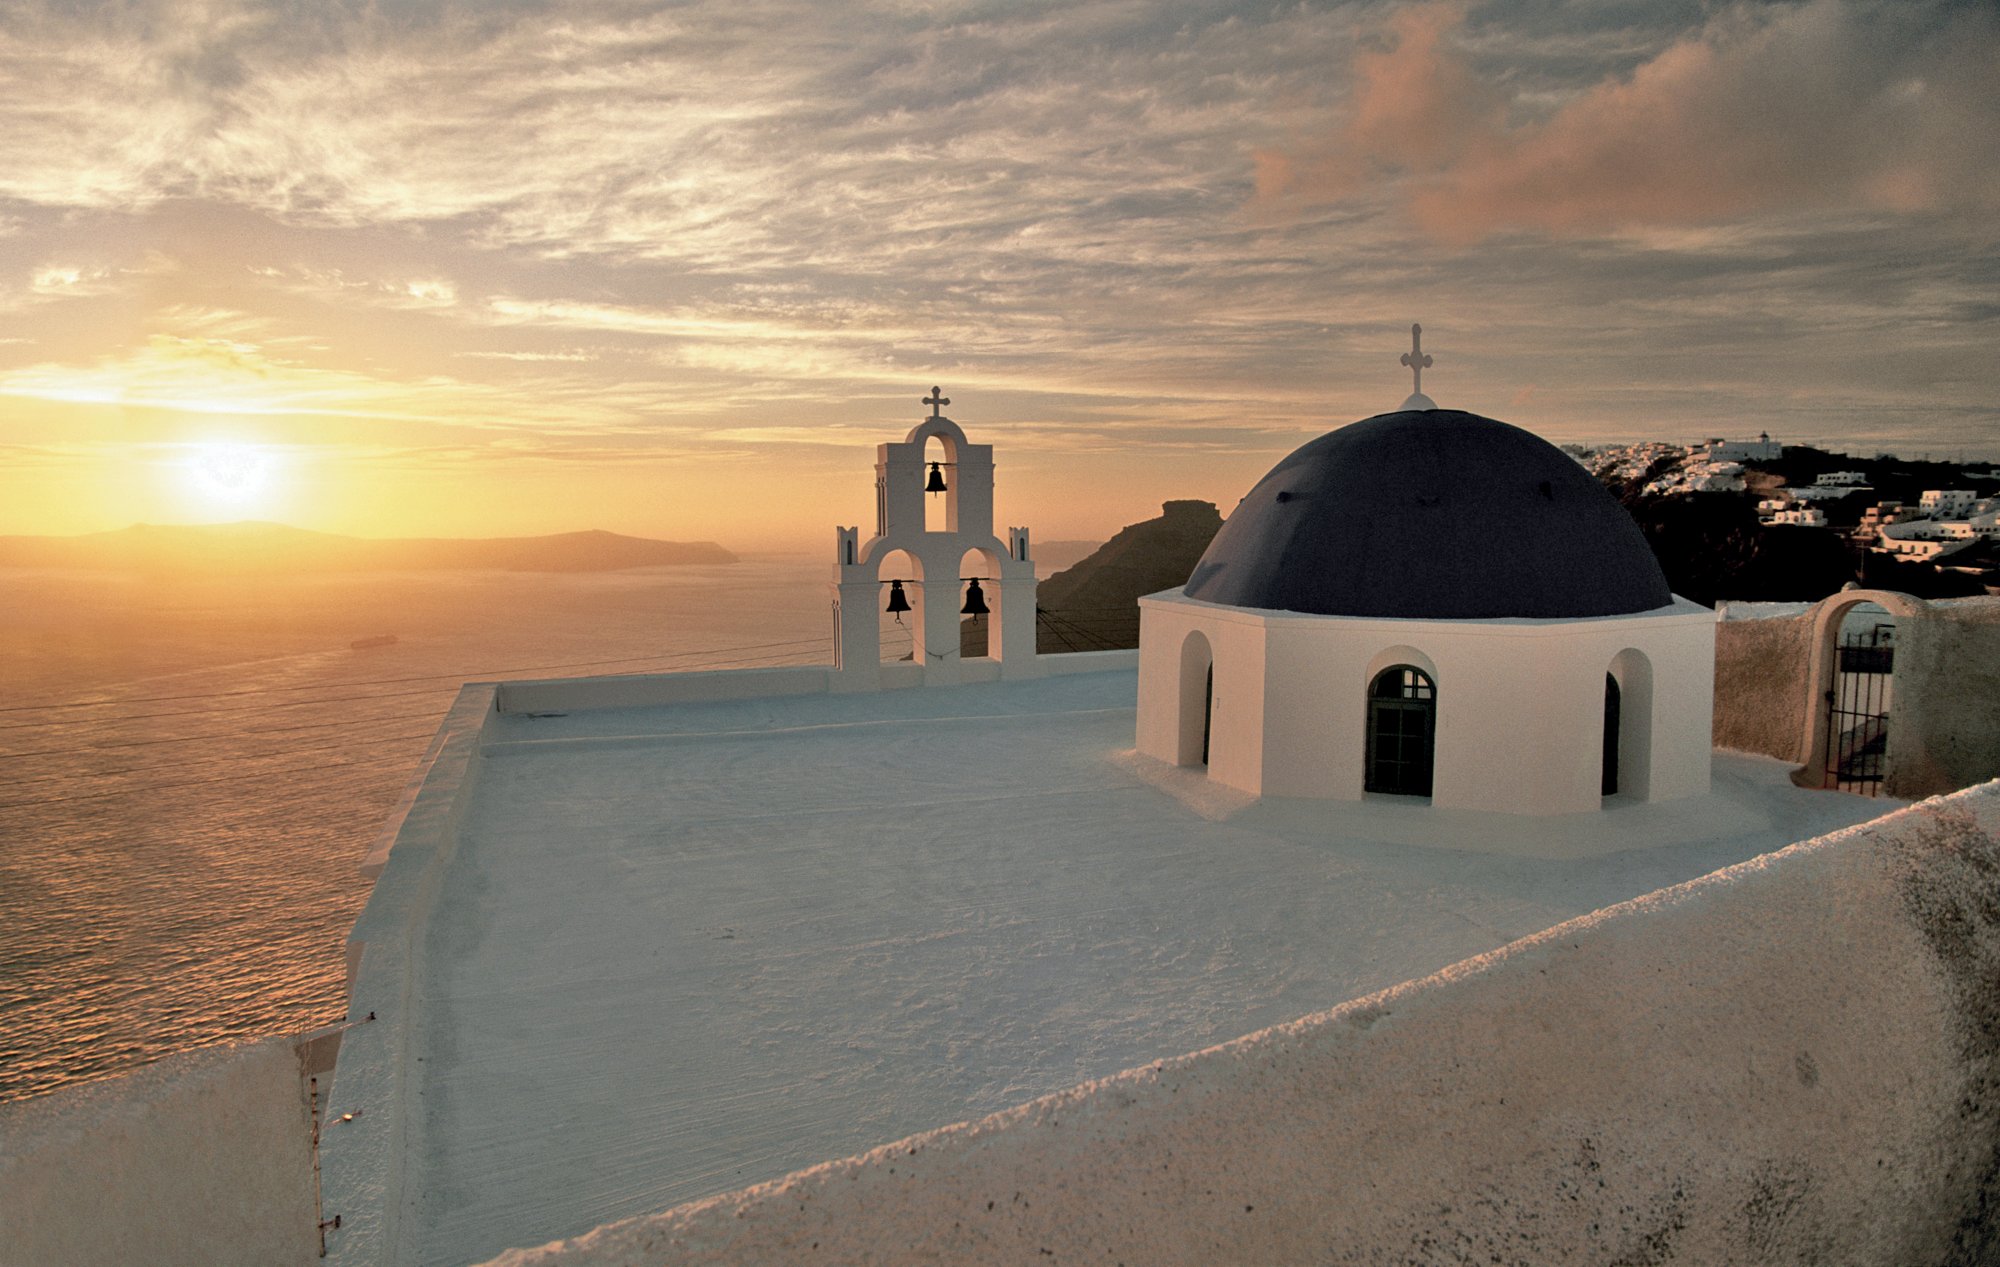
(1857, 722)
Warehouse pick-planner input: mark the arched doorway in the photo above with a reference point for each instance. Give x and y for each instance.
(901, 578)
(1197, 711)
(1609, 780)
(978, 573)
(940, 487)
(1402, 730)
(1849, 742)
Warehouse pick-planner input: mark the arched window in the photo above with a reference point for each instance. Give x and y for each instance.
(1610, 777)
(1402, 723)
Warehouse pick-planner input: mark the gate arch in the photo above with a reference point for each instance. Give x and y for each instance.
(1822, 664)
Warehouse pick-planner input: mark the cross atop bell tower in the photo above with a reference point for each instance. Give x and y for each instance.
(1418, 360)
(937, 400)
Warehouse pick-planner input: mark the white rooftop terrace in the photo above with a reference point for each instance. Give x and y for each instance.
(678, 950)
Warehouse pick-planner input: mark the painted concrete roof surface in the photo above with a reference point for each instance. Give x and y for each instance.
(679, 950)
(1433, 514)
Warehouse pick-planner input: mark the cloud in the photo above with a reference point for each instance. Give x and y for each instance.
(1830, 105)
(718, 217)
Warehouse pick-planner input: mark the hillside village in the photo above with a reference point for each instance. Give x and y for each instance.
(1931, 528)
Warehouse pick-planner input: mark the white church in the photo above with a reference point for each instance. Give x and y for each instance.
(1423, 604)
(1430, 603)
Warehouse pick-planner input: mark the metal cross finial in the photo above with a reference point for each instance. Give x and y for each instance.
(1416, 358)
(937, 400)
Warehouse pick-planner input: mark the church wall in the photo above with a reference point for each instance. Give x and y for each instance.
(1237, 728)
(1796, 1059)
(204, 1157)
(1157, 727)
(1520, 703)
(1236, 738)
(1314, 714)
(1682, 662)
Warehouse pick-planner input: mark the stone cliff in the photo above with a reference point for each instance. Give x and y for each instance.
(1093, 606)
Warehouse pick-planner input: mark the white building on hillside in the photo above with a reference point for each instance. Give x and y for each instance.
(1429, 603)
(1762, 449)
(1946, 503)
(1799, 517)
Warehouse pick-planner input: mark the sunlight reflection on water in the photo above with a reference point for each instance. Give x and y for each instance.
(179, 873)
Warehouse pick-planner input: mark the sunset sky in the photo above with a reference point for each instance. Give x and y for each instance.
(402, 268)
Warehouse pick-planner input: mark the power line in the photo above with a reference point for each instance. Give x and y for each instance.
(463, 675)
(1057, 622)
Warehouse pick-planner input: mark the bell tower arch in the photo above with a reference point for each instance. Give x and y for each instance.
(904, 479)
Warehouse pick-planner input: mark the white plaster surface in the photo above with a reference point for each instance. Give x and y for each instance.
(203, 1159)
(1520, 703)
(1791, 1061)
(680, 950)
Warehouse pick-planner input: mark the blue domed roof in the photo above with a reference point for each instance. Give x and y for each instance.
(1431, 514)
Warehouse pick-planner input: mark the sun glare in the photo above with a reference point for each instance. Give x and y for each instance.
(229, 476)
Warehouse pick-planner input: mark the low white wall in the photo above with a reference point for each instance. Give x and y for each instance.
(203, 1158)
(1794, 1060)
(361, 1161)
(1088, 662)
(653, 690)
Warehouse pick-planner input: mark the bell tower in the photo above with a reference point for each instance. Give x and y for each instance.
(936, 581)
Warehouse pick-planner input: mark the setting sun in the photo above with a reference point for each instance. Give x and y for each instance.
(234, 477)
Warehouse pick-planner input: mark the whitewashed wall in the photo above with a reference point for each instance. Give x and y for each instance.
(1520, 702)
(203, 1159)
(1795, 1060)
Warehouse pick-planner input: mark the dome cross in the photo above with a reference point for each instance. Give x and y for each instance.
(1416, 358)
(937, 400)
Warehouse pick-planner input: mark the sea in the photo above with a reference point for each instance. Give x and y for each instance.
(193, 767)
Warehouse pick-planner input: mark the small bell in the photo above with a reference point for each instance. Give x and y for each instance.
(936, 481)
(975, 601)
(898, 601)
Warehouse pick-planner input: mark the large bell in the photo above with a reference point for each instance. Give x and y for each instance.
(898, 601)
(936, 482)
(975, 601)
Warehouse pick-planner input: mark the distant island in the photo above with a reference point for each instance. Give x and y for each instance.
(267, 547)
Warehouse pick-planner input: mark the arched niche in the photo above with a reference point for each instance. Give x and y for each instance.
(1196, 710)
(941, 441)
(902, 633)
(1630, 746)
(977, 636)
(940, 508)
(1823, 663)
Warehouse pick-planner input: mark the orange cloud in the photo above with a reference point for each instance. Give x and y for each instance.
(1822, 106)
(1414, 107)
